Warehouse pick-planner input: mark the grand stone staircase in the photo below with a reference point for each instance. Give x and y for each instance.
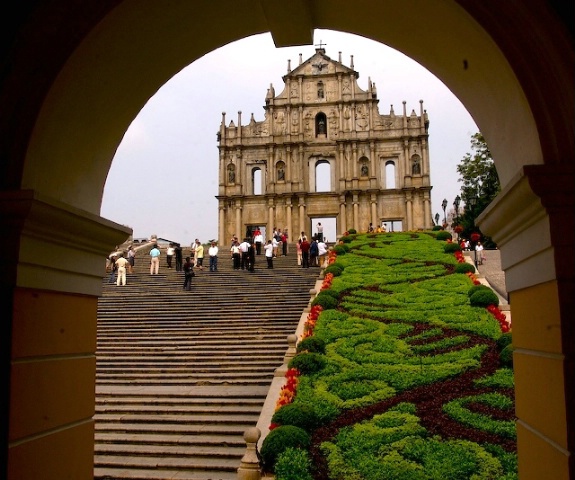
(181, 375)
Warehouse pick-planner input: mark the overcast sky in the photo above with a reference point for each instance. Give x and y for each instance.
(164, 176)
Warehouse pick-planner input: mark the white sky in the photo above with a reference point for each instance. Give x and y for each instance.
(164, 176)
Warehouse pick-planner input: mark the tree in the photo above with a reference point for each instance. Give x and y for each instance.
(480, 185)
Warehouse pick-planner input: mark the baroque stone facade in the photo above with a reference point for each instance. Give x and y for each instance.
(324, 150)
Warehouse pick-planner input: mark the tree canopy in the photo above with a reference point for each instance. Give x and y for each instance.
(480, 186)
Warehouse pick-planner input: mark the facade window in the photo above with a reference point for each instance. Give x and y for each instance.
(320, 91)
(257, 181)
(323, 176)
(389, 174)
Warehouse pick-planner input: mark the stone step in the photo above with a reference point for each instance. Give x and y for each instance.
(180, 376)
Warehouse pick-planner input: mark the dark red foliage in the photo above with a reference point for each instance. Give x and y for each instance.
(429, 401)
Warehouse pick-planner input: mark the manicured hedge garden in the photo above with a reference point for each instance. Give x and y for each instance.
(404, 371)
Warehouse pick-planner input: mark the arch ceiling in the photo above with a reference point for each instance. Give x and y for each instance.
(107, 80)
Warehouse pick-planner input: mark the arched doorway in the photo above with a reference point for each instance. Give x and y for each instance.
(74, 80)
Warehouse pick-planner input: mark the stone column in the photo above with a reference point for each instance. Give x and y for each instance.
(342, 215)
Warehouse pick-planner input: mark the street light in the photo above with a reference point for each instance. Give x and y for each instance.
(456, 205)
(444, 206)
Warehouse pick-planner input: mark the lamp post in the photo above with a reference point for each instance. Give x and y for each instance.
(444, 206)
(456, 205)
(474, 236)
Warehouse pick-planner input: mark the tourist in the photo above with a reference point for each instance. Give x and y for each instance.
(155, 260)
(170, 251)
(213, 254)
(305, 252)
(322, 252)
(259, 239)
(298, 251)
(319, 229)
(479, 253)
(121, 264)
(284, 243)
(131, 259)
(236, 255)
(188, 268)
(313, 253)
(269, 252)
(178, 254)
(199, 255)
(244, 247)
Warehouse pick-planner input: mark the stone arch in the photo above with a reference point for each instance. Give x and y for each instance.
(69, 93)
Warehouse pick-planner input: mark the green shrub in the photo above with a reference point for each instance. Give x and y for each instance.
(436, 228)
(293, 464)
(464, 268)
(443, 235)
(327, 301)
(346, 239)
(335, 269)
(311, 344)
(340, 249)
(300, 415)
(307, 362)
(451, 248)
(477, 288)
(352, 231)
(484, 298)
(506, 357)
(280, 439)
(504, 340)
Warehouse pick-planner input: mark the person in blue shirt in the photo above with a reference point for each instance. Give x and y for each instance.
(155, 260)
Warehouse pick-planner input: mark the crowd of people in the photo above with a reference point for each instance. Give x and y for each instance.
(309, 253)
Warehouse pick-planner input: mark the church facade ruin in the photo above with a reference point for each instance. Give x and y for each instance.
(323, 150)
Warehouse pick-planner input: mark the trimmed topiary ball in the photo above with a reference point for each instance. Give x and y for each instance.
(347, 239)
(335, 269)
(484, 298)
(311, 344)
(451, 248)
(477, 288)
(293, 464)
(443, 235)
(464, 268)
(279, 439)
(506, 357)
(325, 300)
(300, 415)
(352, 231)
(307, 362)
(340, 249)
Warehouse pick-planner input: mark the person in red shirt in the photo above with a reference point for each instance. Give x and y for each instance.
(305, 252)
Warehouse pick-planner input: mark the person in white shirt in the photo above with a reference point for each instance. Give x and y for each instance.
(213, 253)
(322, 252)
(170, 252)
(259, 240)
(244, 248)
(269, 251)
(121, 264)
